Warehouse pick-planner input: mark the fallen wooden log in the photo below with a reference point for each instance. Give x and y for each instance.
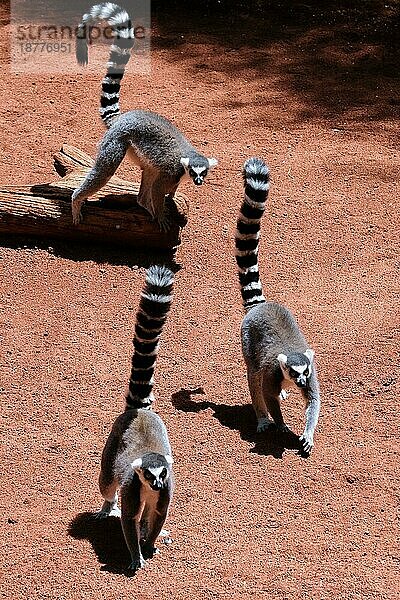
(112, 216)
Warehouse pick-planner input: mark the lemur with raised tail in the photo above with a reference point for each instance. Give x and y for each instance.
(153, 143)
(276, 353)
(137, 460)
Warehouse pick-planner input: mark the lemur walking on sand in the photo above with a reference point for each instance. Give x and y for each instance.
(137, 459)
(153, 143)
(276, 353)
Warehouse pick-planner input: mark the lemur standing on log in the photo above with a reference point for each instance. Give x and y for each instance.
(274, 349)
(137, 458)
(153, 143)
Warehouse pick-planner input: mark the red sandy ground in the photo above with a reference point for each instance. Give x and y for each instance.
(249, 518)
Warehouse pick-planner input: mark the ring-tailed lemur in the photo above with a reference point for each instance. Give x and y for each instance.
(137, 458)
(274, 349)
(153, 143)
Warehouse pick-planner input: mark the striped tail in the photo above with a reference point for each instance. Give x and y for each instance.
(256, 187)
(154, 306)
(123, 34)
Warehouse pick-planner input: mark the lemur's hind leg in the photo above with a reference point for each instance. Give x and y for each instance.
(144, 195)
(255, 387)
(274, 409)
(110, 504)
(110, 155)
(162, 186)
(108, 484)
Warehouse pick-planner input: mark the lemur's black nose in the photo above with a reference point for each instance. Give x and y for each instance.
(197, 181)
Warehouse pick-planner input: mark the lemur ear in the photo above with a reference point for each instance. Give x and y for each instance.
(169, 459)
(310, 354)
(185, 162)
(212, 162)
(136, 464)
(282, 358)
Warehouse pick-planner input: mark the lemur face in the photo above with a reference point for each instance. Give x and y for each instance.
(297, 366)
(153, 470)
(198, 171)
(156, 477)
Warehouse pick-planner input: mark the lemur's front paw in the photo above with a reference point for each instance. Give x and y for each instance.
(149, 551)
(283, 428)
(101, 514)
(136, 564)
(164, 221)
(115, 512)
(76, 215)
(109, 509)
(307, 443)
(263, 424)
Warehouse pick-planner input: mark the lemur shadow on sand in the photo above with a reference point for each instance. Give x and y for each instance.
(243, 419)
(107, 540)
(101, 253)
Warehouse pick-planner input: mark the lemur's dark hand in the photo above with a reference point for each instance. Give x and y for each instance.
(306, 445)
(136, 564)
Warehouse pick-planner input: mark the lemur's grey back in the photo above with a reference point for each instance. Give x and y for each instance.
(268, 329)
(118, 19)
(154, 137)
(140, 432)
